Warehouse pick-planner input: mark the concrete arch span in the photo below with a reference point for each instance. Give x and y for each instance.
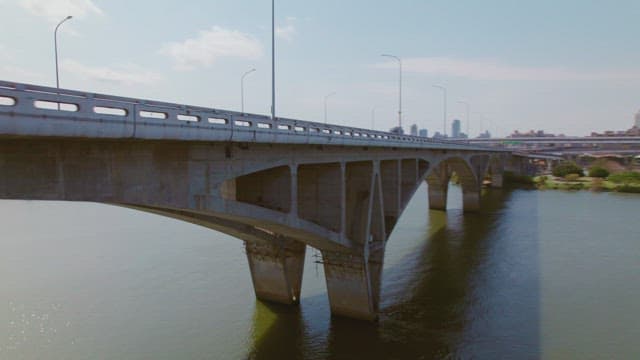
(344, 201)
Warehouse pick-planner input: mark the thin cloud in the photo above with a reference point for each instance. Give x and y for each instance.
(56, 10)
(210, 45)
(19, 74)
(127, 75)
(10, 71)
(4, 51)
(287, 32)
(494, 70)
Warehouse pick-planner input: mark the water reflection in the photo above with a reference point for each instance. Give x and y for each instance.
(278, 331)
(438, 302)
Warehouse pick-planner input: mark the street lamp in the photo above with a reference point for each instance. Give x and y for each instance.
(466, 104)
(325, 104)
(444, 120)
(55, 46)
(273, 60)
(400, 85)
(242, 88)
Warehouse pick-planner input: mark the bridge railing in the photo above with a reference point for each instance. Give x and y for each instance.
(118, 117)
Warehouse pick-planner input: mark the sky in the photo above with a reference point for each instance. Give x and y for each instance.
(568, 66)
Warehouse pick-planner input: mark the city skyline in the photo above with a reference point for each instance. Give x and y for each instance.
(556, 70)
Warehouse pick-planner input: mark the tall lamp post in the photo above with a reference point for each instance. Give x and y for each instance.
(400, 87)
(55, 46)
(273, 60)
(466, 104)
(242, 88)
(444, 120)
(325, 104)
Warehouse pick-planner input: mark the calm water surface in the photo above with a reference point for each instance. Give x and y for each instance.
(534, 275)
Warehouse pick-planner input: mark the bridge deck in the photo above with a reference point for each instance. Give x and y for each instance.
(30, 110)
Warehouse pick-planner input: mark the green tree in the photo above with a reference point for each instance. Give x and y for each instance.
(598, 172)
(567, 167)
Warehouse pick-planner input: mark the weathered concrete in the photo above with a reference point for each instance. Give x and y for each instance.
(340, 190)
(276, 269)
(438, 182)
(353, 284)
(438, 197)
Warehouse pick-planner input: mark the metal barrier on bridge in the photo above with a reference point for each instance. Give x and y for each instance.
(120, 117)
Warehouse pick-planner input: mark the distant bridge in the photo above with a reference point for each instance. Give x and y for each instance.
(558, 140)
(277, 184)
(566, 147)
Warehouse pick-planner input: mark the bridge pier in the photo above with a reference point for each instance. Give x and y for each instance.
(353, 283)
(438, 183)
(497, 180)
(438, 197)
(276, 269)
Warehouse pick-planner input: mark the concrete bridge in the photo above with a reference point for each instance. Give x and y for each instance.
(277, 184)
(558, 141)
(561, 145)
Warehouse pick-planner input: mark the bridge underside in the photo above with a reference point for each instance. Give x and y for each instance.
(343, 200)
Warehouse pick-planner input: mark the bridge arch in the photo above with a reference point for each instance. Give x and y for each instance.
(439, 177)
(344, 201)
(277, 184)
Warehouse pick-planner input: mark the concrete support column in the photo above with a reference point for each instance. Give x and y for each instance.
(276, 269)
(438, 183)
(438, 197)
(294, 191)
(497, 180)
(353, 284)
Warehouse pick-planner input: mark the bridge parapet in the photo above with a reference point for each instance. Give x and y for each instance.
(51, 112)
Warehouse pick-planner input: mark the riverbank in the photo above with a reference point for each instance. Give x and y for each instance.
(546, 182)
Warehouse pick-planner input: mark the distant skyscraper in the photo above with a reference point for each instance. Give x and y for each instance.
(455, 129)
(424, 132)
(485, 135)
(414, 130)
(638, 119)
(397, 130)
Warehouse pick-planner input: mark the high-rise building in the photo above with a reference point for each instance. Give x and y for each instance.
(397, 130)
(485, 135)
(455, 129)
(638, 119)
(414, 130)
(424, 132)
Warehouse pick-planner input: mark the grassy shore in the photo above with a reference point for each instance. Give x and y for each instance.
(547, 182)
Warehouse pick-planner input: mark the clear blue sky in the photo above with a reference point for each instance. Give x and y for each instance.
(563, 66)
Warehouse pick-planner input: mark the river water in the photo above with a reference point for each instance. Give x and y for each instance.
(535, 274)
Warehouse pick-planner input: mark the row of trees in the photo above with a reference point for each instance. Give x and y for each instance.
(571, 169)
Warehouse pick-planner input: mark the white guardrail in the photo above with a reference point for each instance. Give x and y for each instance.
(31, 110)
